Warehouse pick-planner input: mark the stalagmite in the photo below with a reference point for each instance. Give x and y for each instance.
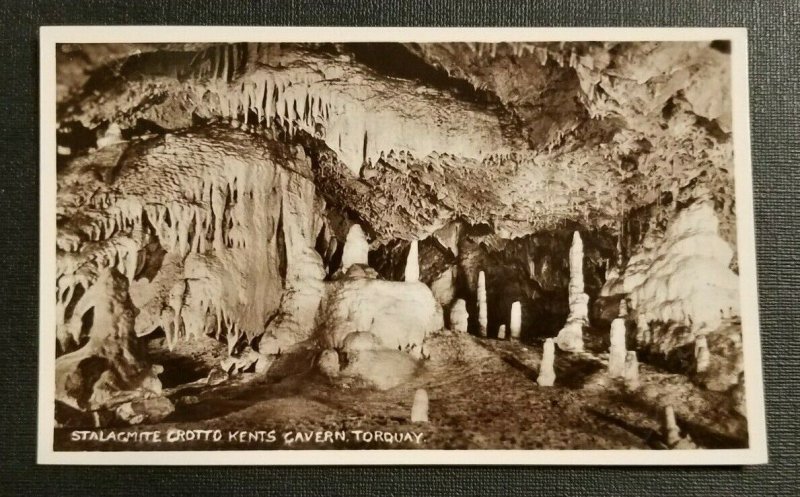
(412, 262)
(672, 434)
(483, 319)
(419, 411)
(616, 352)
(631, 374)
(501, 332)
(642, 331)
(547, 374)
(356, 248)
(459, 317)
(570, 338)
(515, 323)
(701, 354)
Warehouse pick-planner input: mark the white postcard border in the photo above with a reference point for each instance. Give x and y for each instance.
(51, 35)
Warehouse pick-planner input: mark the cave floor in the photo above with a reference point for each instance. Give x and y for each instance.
(483, 395)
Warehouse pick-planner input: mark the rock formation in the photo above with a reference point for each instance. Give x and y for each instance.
(617, 351)
(483, 319)
(570, 338)
(356, 248)
(501, 332)
(515, 321)
(672, 433)
(112, 367)
(412, 263)
(701, 354)
(419, 411)
(459, 317)
(328, 363)
(547, 375)
(631, 371)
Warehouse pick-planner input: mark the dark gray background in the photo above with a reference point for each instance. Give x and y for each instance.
(774, 70)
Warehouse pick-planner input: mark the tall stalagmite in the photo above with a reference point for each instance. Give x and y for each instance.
(356, 248)
(547, 375)
(617, 350)
(515, 323)
(570, 338)
(483, 319)
(412, 262)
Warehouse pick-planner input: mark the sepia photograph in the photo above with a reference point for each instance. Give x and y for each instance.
(397, 246)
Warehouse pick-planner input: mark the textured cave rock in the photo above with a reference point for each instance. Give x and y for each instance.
(112, 368)
(347, 196)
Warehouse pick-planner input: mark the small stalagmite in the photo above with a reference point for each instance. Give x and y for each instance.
(701, 354)
(483, 315)
(501, 332)
(547, 375)
(671, 432)
(515, 323)
(617, 351)
(642, 331)
(631, 375)
(419, 411)
(356, 248)
(412, 262)
(459, 317)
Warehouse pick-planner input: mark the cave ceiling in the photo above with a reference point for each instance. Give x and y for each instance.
(520, 137)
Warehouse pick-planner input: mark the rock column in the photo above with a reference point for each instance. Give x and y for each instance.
(459, 317)
(570, 338)
(483, 318)
(501, 332)
(356, 248)
(701, 354)
(631, 374)
(412, 262)
(419, 411)
(515, 323)
(547, 375)
(617, 351)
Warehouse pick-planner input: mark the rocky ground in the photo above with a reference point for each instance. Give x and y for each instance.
(483, 395)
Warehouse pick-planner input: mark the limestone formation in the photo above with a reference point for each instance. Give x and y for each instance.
(631, 373)
(459, 317)
(328, 363)
(701, 355)
(570, 338)
(400, 314)
(356, 248)
(642, 331)
(412, 262)
(112, 367)
(483, 317)
(547, 375)
(515, 321)
(419, 411)
(617, 350)
(671, 432)
(501, 332)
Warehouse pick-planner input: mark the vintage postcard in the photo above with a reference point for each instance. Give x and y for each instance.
(397, 246)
